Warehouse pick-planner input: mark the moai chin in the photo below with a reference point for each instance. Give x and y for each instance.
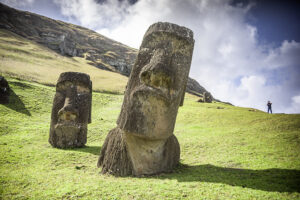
(4, 91)
(143, 142)
(71, 110)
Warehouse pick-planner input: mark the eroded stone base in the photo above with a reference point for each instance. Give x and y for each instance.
(124, 154)
(68, 137)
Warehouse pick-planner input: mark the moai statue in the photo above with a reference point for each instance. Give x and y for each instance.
(4, 91)
(71, 111)
(207, 98)
(143, 142)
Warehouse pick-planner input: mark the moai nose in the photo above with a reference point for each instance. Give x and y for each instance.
(69, 111)
(158, 72)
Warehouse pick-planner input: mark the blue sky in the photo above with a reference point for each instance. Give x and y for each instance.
(246, 51)
(276, 20)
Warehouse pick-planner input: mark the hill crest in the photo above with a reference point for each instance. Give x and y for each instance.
(76, 41)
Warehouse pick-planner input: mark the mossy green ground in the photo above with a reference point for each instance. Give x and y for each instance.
(226, 153)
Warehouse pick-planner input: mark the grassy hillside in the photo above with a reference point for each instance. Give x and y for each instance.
(69, 39)
(28, 60)
(226, 152)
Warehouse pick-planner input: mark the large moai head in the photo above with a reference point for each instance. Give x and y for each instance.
(157, 82)
(143, 143)
(71, 110)
(4, 91)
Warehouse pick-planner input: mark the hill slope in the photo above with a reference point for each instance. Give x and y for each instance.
(27, 60)
(226, 153)
(68, 39)
(75, 41)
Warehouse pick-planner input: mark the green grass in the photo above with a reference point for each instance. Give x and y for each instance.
(226, 153)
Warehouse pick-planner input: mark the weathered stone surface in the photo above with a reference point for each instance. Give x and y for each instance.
(143, 141)
(207, 98)
(71, 111)
(193, 87)
(4, 91)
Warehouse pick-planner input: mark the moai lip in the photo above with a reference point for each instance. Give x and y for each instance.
(71, 110)
(143, 142)
(4, 91)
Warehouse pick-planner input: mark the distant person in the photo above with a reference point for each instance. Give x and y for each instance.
(269, 104)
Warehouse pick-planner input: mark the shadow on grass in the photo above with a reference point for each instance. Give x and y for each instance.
(16, 104)
(88, 149)
(275, 180)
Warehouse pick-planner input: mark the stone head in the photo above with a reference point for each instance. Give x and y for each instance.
(4, 91)
(157, 83)
(71, 111)
(207, 97)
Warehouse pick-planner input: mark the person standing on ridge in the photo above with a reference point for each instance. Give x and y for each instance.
(269, 104)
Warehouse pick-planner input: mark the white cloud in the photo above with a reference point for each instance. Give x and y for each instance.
(227, 60)
(92, 14)
(18, 3)
(296, 99)
(295, 106)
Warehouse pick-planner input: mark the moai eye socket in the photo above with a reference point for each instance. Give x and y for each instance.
(82, 90)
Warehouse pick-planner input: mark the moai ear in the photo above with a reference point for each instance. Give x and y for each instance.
(183, 95)
(90, 109)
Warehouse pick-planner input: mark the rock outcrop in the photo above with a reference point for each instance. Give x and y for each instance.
(193, 87)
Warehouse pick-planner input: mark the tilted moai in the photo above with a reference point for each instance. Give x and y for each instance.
(4, 91)
(143, 142)
(207, 98)
(71, 111)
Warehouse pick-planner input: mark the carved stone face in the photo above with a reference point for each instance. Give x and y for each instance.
(143, 142)
(4, 91)
(71, 111)
(157, 85)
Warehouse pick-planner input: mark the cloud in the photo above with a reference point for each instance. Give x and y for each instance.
(295, 104)
(228, 59)
(92, 14)
(18, 3)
